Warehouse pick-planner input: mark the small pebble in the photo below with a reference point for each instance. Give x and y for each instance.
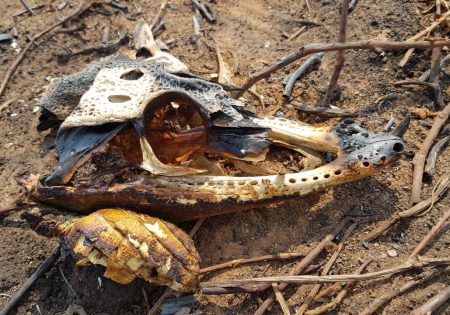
(392, 253)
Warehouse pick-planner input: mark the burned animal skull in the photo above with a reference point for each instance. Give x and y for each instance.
(164, 120)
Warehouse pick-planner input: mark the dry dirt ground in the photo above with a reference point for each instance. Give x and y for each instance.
(255, 32)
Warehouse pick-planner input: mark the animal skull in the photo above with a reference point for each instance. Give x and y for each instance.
(164, 119)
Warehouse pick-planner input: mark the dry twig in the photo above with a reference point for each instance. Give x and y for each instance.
(438, 191)
(432, 157)
(436, 228)
(84, 6)
(316, 48)
(297, 33)
(421, 155)
(433, 303)
(46, 265)
(322, 111)
(243, 261)
(204, 11)
(443, 63)
(25, 5)
(254, 284)
(160, 14)
(280, 298)
(308, 63)
(433, 86)
(340, 55)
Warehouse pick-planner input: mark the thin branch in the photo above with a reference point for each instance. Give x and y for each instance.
(322, 111)
(340, 55)
(421, 155)
(204, 11)
(243, 261)
(413, 82)
(254, 284)
(316, 48)
(25, 5)
(46, 265)
(433, 86)
(308, 63)
(436, 228)
(434, 76)
(338, 299)
(438, 191)
(443, 63)
(301, 266)
(421, 34)
(155, 308)
(160, 14)
(432, 157)
(385, 298)
(84, 6)
(35, 7)
(297, 33)
(71, 289)
(280, 298)
(433, 303)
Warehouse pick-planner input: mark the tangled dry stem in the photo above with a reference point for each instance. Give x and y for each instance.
(396, 291)
(341, 295)
(301, 266)
(83, 7)
(316, 48)
(254, 284)
(325, 271)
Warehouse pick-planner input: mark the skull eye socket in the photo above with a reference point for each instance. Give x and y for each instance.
(175, 130)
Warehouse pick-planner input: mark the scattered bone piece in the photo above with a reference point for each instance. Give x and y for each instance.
(144, 41)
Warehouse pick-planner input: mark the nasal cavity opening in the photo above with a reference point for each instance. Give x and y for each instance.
(175, 130)
(119, 98)
(132, 75)
(398, 147)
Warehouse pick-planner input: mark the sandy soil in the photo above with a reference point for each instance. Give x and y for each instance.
(254, 31)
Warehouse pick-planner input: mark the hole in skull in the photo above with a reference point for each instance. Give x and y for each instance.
(132, 75)
(119, 98)
(366, 164)
(175, 133)
(398, 147)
